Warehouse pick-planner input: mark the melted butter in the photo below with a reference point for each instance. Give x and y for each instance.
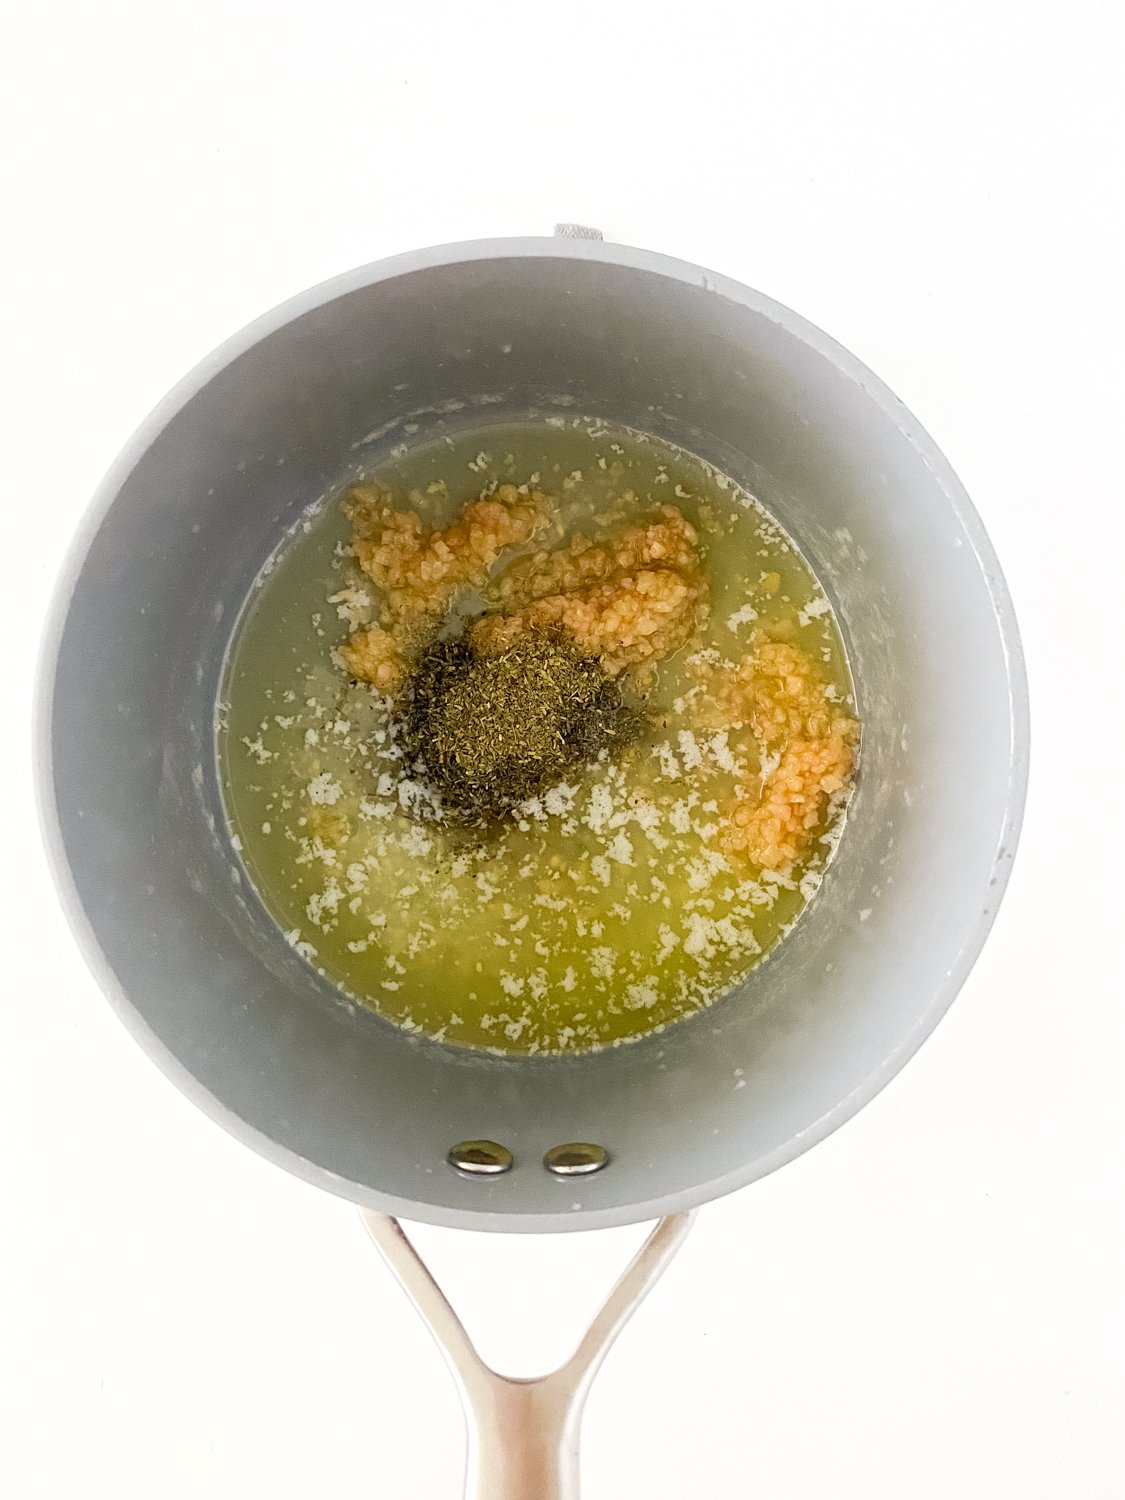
(607, 909)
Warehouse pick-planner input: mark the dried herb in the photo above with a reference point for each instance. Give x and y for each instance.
(485, 732)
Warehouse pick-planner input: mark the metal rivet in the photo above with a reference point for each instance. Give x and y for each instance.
(576, 1159)
(480, 1158)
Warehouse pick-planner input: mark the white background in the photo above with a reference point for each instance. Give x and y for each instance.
(930, 1304)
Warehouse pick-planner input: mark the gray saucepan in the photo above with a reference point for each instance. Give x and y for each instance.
(206, 981)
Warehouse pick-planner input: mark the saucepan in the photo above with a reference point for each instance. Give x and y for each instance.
(408, 1128)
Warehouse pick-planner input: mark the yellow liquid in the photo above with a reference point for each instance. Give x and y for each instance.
(606, 910)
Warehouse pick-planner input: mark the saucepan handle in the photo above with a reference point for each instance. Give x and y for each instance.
(523, 1434)
(577, 232)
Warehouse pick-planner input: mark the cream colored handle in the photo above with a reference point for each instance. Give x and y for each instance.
(523, 1434)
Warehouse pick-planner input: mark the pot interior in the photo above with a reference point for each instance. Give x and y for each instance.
(279, 421)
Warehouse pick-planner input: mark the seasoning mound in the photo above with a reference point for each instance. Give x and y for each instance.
(631, 603)
(779, 692)
(484, 732)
